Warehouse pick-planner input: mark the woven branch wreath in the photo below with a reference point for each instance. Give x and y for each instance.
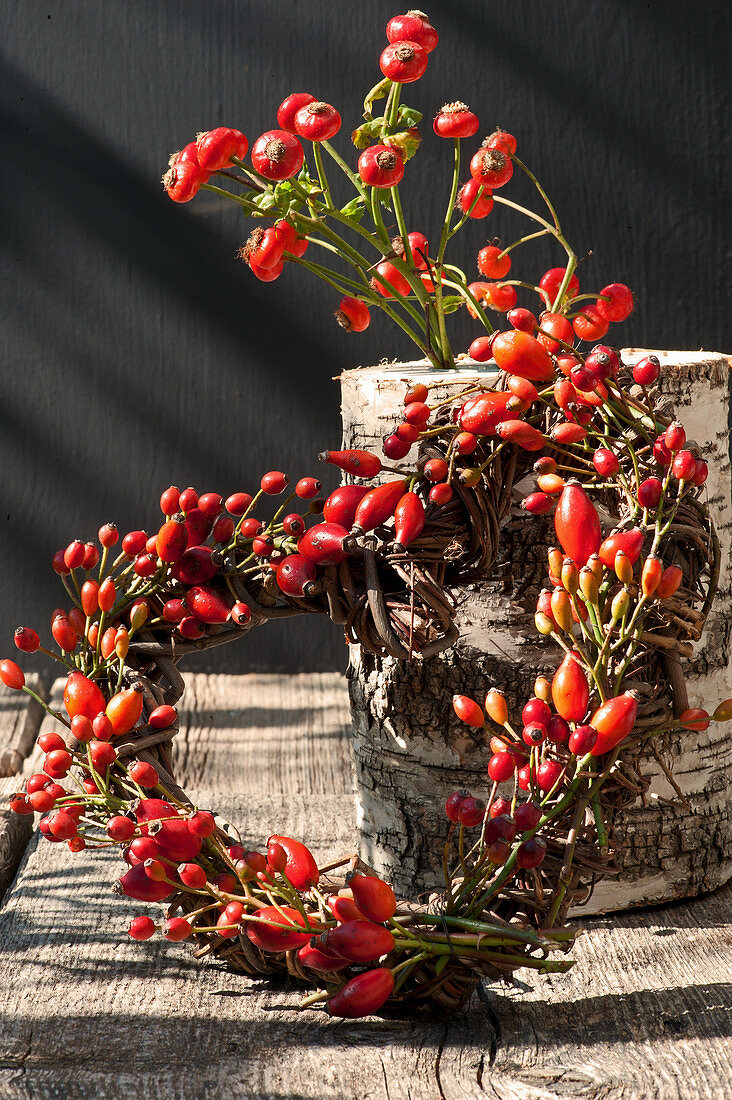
(624, 608)
(385, 557)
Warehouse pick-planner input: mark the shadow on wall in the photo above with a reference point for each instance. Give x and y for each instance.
(105, 283)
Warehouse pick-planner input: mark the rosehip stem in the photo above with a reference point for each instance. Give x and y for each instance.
(540, 189)
(523, 240)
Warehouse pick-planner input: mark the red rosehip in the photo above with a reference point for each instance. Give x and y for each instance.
(317, 121)
(522, 319)
(274, 483)
(501, 139)
(289, 107)
(403, 61)
(527, 816)
(536, 710)
(582, 740)
(182, 180)
(620, 303)
(441, 494)
(589, 325)
(647, 370)
(353, 314)
(531, 853)
(493, 262)
(387, 279)
(471, 812)
(26, 639)
(661, 452)
(675, 436)
(380, 166)
(491, 168)
(480, 349)
(455, 120)
(307, 488)
(649, 492)
(605, 462)
(501, 767)
(144, 774)
(277, 155)
(414, 26)
(475, 200)
(684, 466)
(395, 448)
(547, 774)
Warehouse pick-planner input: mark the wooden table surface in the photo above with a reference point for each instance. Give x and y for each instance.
(84, 1012)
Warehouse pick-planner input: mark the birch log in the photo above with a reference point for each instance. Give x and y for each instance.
(410, 751)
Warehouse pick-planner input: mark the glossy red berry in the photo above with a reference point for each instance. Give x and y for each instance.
(374, 897)
(353, 314)
(317, 121)
(647, 370)
(26, 639)
(414, 26)
(620, 303)
(289, 107)
(683, 466)
(274, 483)
(143, 773)
(527, 816)
(182, 180)
(453, 804)
(475, 200)
(493, 262)
(531, 853)
(215, 148)
(403, 61)
(11, 674)
(547, 774)
(380, 166)
(675, 436)
(141, 928)
(605, 461)
(468, 711)
(582, 740)
(649, 492)
(589, 324)
(389, 281)
(491, 168)
(471, 812)
(522, 319)
(120, 828)
(501, 767)
(277, 155)
(455, 120)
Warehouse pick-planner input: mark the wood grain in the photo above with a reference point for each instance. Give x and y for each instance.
(20, 717)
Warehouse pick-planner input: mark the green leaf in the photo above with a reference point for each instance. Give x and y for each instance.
(452, 302)
(409, 116)
(354, 208)
(379, 91)
(264, 201)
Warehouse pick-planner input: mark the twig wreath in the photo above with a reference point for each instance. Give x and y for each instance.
(631, 582)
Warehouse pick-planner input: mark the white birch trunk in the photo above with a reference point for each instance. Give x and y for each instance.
(409, 750)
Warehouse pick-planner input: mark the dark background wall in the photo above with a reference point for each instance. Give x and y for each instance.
(137, 352)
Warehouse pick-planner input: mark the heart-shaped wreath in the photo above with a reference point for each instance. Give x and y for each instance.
(631, 581)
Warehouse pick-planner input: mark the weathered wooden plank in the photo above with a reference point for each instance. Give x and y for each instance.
(646, 1011)
(304, 722)
(20, 717)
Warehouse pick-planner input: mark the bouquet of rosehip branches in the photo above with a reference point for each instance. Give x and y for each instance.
(387, 266)
(631, 581)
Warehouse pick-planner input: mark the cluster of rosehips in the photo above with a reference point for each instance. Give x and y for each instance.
(500, 825)
(555, 331)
